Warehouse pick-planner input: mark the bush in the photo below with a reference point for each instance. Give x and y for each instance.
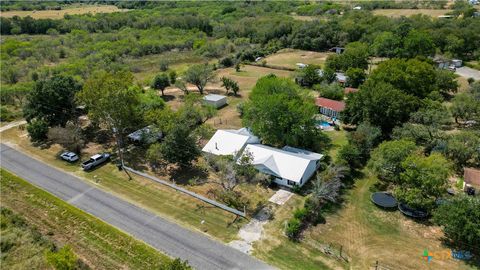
(227, 62)
(300, 214)
(332, 91)
(37, 129)
(63, 259)
(293, 229)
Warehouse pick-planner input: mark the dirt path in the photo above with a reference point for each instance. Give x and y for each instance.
(12, 125)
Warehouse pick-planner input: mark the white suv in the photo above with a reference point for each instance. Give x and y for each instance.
(69, 156)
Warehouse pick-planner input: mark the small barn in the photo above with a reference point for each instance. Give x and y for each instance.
(216, 101)
(329, 107)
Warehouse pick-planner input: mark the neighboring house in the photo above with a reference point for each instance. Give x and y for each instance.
(289, 166)
(229, 142)
(457, 63)
(471, 177)
(330, 107)
(341, 77)
(349, 90)
(216, 101)
(146, 135)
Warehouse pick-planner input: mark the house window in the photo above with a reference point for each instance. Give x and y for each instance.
(291, 183)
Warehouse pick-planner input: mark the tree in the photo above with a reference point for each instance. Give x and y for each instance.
(386, 44)
(355, 56)
(423, 180)
(418, 43)
(199, 75)
(465, 107)
(463, 149)
(446, 82)
(69, 137)
(172, 75)
(52, 100)
(63, 259)
(309, 75)
(380, 104)
(356, 76)
(411, 76)
(230, 84)
(111, 100)
(332, 91)
(280, 114)
(460, 220)
(180, 146)
(365, 138)
(37, 129)
(160, 82)
(386, 160)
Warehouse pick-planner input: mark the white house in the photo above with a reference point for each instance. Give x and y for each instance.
(216, 101)
(290, 166)
(229, 141)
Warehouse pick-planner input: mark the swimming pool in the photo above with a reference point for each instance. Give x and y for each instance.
(323, 123)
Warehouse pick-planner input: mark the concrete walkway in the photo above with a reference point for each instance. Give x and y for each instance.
(252, 231)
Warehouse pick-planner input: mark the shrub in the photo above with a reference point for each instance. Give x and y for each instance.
(293, 229)
(63, 259)
(227, 61)
(300, 214)
(37, 129)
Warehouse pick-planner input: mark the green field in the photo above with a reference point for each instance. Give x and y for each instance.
(98, 244)
(363, 232)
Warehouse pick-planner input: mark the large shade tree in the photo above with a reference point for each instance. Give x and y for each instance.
(199, 75)
(111, 99)
(423, 180)
(460, 220)
(52, 100)
(281, 114)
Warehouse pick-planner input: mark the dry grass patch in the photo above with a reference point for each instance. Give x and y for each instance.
(395, 13)
(59, 14)
(289, 57)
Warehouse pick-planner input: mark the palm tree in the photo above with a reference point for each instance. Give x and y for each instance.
(327, 185)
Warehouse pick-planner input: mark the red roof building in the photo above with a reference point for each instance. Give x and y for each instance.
(330, 107)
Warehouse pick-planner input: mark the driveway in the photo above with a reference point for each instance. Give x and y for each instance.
(167, 237)
(467, 72)
(12, 124)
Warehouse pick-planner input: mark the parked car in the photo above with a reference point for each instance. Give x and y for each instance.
(69, 156)
(95, 161)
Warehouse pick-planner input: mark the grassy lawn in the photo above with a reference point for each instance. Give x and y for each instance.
(98, 244)
(157, 198)
(365, 233)
(395, 13)
(58, 14)
(290, 57)
(339, 139)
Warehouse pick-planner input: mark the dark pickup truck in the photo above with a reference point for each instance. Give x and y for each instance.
(95, 161)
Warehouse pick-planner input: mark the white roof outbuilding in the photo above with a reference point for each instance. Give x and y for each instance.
(291, 166)
(216, 101)
(229, 141)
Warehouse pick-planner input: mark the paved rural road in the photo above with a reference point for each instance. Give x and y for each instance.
(170, 238)
(467, 72)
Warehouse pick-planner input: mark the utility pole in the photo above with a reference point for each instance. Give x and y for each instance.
(120, 152)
